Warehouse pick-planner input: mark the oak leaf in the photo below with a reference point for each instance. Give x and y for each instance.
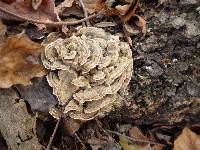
(17, 56)
(188, 140)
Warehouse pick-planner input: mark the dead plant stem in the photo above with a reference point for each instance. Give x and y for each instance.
(57, 124)
(84, 11)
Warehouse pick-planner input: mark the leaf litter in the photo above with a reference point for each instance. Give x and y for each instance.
(18, 65)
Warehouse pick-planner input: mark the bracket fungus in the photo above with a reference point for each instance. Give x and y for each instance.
(92, 66)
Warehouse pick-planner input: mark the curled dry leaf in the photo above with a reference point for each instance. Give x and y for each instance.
(36, 10)
(16, 55)
(188, 140)
(93, 66)
(126, 10)
(140, 23)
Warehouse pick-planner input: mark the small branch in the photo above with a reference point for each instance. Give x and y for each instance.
(57, 124)
(84, 11)
(76, 135)
(100, 125)
(134, 139)
(22, 18)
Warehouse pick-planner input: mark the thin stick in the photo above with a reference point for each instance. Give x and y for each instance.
(100, 125)
(22, 18)
(84, 11)
(134, 139)
(57, 124)
(109, 136)
(76, 135)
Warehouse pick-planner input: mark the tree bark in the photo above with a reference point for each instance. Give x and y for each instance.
(166, 80)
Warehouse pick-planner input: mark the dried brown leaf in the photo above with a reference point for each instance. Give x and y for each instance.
(74, 10)
(136, 133)
(16, 66)
(124, 11)
(188, 140)
(101, 5)
(29, 10)
(101, 142)
(73, 7)
(65, 4)
(90, 5)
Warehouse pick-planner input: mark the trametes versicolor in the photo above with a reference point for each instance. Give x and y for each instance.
(92, 66)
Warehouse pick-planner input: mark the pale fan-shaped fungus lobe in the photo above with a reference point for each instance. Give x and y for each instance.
(92, 66)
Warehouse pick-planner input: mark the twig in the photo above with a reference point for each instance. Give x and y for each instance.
(100, 125)
(57, 124)
(135, 139)
(105, 132)
(84, 11)
(76, 135)
(22, 18)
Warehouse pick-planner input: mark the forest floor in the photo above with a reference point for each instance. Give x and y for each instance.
(164, 92)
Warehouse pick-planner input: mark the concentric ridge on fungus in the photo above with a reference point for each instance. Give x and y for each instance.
(93, 66)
